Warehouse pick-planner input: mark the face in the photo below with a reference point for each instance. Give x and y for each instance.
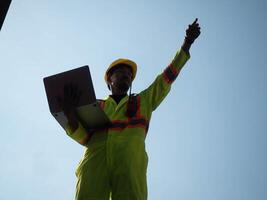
(120, 79)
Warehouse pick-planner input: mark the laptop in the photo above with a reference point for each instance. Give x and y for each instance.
(89, 113)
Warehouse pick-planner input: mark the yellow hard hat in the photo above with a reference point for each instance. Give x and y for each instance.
(127, 62)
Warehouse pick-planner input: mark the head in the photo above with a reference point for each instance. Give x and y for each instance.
(120, 74)
(119, 79)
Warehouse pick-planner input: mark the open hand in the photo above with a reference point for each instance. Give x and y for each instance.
(71, 97)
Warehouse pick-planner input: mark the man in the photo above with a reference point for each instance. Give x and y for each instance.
(115, 159)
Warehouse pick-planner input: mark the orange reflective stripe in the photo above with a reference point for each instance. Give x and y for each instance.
(138, 112)
(131, 123)
(170, 74)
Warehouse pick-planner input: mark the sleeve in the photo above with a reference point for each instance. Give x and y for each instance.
(161, 86)
(79, 135)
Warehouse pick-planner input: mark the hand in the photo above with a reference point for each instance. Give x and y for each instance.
(71, 98)
(192, 32)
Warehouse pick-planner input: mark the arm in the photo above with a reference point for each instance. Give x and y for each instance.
(79, 134)
(161, 86)
(159, 89)
(74, 128)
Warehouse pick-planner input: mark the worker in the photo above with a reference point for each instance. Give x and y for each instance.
(114, 164)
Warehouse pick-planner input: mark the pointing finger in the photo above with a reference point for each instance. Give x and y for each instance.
(195, 21)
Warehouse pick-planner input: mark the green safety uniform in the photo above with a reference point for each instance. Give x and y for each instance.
(115, 160)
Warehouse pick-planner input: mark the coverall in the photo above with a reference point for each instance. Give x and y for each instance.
(115, 160)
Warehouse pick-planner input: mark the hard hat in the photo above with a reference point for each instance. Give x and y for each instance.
(127, 62)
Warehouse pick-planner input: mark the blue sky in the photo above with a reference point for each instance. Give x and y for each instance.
(208, 138)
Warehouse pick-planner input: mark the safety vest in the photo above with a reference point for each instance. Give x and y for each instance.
(134, 119)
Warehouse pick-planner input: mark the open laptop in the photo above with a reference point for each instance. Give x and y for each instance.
(88, 110)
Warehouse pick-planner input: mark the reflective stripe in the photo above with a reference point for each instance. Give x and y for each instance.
(170, 74)
(131, 123)
(138, 112)
(132, 106)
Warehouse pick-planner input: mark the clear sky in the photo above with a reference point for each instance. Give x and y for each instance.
(208, 138)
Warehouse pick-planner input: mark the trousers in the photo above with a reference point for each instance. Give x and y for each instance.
(107, 172)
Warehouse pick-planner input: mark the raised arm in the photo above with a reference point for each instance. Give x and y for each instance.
(158, 90)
